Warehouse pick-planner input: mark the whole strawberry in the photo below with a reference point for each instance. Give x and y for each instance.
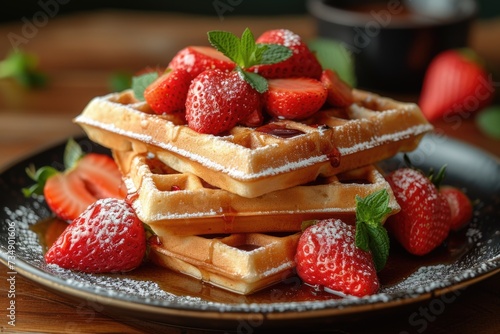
(106, 237)
(167, 94)
(460, 206)
(302, 63)
(196, 59)
(294, 98)
(423, 222)
(327, 256)
(334, 254)
(455, 83)
(218, 100)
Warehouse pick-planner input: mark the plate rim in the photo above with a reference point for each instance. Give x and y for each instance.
(119, 301)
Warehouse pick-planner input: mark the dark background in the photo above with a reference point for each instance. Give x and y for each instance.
(17, 9)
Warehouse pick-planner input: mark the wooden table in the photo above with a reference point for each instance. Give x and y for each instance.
(79, 52)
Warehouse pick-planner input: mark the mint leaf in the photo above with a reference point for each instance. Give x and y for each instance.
(362, 238)
(373, 208)
(274, 53)
(371, 236)
(72, 153)
(247, 49)
(258, 82)
(246, 53)
(227, 43)
(139, 84)
(22, 67)
(379, 245)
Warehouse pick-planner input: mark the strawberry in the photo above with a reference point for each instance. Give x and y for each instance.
(86, 179)
(217, 101)
(423, 222)
(455, 83)
(167, 94)
(343, 257)
(339, 93)
(460, 206)
(327, 256)
(294, 98)
(106, 237)
(196, 59)
(302, 63)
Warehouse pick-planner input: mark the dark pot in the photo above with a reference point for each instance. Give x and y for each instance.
(392, 42)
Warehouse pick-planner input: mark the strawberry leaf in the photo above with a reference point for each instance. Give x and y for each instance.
(139, 84)
(40, 176)
(72, 153)
(371, 236)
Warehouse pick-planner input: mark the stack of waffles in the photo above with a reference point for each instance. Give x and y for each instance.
(228, 209)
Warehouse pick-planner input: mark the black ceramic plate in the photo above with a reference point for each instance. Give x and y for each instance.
(153, 293)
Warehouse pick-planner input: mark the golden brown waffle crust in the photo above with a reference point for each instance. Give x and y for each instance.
(180, 203)
(227, 261)
(251, 163)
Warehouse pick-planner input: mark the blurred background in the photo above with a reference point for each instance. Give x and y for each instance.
(81, 49)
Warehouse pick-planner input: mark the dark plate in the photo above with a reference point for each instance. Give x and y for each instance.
(157, 294)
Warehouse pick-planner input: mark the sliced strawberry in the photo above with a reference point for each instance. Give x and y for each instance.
(302, 63)
(327, 256)
(294, 98)
(423, 222)
(196, 59)
(339, 92)
(460, 206)
(106, 237)
(95, 176)
(218, 100)
(455, 83)
(167, 94)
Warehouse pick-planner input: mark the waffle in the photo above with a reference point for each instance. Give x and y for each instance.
(182, 203)
(241, 263)
(252, 162)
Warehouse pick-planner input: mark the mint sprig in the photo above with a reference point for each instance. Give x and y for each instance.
(22, 67)
(72, 153)
(371, 235)
(245, 52)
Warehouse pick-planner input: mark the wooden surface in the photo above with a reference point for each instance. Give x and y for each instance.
(79, 52)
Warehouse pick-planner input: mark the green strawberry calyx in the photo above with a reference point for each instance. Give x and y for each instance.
(371, 235)
(72, 154)
(245, 52)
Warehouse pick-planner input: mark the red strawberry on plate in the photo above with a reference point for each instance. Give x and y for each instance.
(302, 63)
(86, 179)
(455, 83)
(460, 206)
(167, 94)
(294, 98)
(106, 237)
(339, 92)
(342, 257)
(423, 222)
(196, 59)
(327, 256)
(217, 101)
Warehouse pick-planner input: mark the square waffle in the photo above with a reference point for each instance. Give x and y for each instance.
(251, 162)
(182, 203)
(240, 263)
